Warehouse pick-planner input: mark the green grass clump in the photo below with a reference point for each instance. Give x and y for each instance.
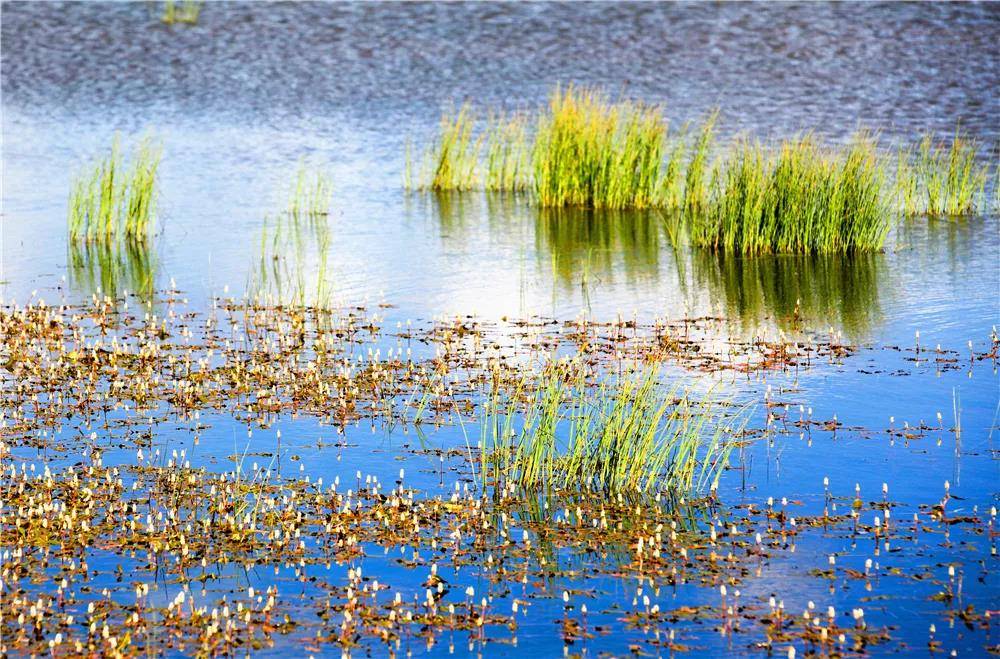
(115, 201)
(451, 162)
(584, 150)
(311, 194)
(802, 200)
(697, 182)
(185, 11)
(907, 183)
(624, 434)
(591, 152)
(948, 181)
(508, 156)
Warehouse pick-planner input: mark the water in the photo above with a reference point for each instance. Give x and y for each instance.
(240, 98)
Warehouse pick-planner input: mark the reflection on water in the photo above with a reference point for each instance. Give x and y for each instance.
(113, 268)
(793, 292)
(580, 243)
(584, 251)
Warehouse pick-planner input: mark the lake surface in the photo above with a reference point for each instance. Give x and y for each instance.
(242, 97)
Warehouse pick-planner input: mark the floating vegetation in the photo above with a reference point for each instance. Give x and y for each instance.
(485, 564)
(941, 178)
(802, 200)
(115, 201)
(622, 435)
(181, 11)
(121, 538)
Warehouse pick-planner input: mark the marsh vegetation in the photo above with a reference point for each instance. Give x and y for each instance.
(115, 199)
(796, 196)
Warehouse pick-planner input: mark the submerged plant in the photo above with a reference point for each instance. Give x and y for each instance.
(624, 434)
(114, 200)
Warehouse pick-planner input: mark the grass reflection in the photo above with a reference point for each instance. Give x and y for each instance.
(111, 268)
(795, 292)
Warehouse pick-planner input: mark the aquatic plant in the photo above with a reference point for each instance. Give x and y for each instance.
(451, 162)
(793, 292)
(624, 434)
(949, 180)
(311, 194)
(907, 183)
(114, 201)
(589, 151)
(672, 183)
(607, 243)
(292, 264)
(508, 156)
(184, 11)
(698, 178)
(803, 199)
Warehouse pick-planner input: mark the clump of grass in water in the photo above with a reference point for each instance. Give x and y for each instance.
(947, 179)
(508, 158)
(907, 183)
(311, 194)
(622, 435)
(185, 11)
(114, 201)
(698, 178)
(293, 262)
(591, 152)
(450, 163)
(802, 200)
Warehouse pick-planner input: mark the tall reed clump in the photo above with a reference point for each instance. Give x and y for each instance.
(624, 434)
(801, 200)
(591, 152)
(942, 178)
(450, 163)
(115, 200)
